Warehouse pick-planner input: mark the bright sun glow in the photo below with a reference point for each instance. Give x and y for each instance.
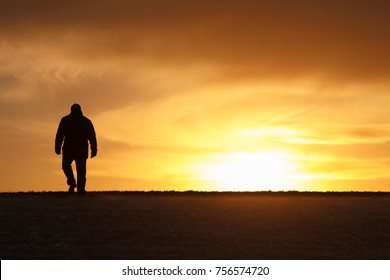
(268, 170)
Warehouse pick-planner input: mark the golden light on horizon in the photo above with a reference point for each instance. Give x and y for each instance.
(252, 171)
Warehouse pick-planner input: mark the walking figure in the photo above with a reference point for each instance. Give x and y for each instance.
(73, 134)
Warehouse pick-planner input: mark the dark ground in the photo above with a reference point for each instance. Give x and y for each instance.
(190, 225)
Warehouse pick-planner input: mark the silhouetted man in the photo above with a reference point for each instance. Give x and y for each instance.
(74, 132)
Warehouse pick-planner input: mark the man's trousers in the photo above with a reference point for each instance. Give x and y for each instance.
(81, 168)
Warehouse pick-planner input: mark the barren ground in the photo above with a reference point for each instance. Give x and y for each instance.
(190, 225)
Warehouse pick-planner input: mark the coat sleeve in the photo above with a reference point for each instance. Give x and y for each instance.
(92, 137)
(59, 137)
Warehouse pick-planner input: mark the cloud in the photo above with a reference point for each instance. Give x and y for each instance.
(117, 53)
(347, 40)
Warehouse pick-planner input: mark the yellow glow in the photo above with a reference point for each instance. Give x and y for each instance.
(266, 170)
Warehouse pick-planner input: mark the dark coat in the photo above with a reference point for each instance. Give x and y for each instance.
(74, 132)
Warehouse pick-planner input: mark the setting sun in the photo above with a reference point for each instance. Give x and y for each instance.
(266, 170)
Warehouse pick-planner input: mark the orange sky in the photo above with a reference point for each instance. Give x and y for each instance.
(202, 95)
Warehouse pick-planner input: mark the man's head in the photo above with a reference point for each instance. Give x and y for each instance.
(76, 110)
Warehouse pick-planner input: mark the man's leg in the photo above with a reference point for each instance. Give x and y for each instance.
(81, 166)
(67, 168)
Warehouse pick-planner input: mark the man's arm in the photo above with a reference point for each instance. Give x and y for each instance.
(92, 140)
(59, 137)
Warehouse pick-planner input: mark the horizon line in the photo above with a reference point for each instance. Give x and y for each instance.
(200, 192)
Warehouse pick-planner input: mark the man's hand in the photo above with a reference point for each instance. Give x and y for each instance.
(93, 153)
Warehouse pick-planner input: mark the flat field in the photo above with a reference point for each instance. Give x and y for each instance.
(191, 225)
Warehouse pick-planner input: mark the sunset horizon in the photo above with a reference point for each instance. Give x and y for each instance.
(199, 95)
